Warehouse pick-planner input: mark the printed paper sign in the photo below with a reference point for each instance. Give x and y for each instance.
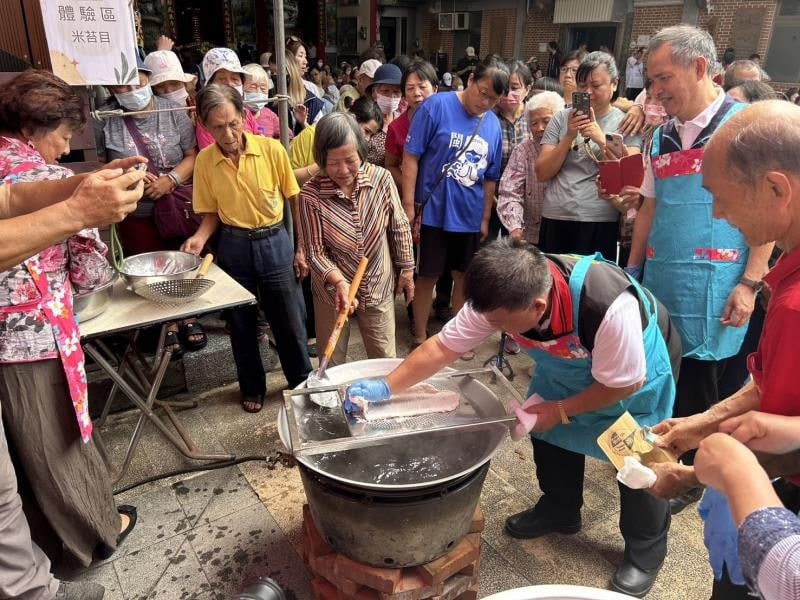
(91, 41)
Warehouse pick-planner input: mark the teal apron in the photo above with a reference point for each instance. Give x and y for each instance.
(693, 260)
(564, 368)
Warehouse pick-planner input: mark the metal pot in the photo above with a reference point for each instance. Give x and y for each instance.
(91, 304)
(393, 528)
(151, 267)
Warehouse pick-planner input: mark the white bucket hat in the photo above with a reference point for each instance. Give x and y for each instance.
(165, 66)
(221, 58)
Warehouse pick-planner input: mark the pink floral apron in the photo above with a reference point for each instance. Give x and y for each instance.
(58, 310)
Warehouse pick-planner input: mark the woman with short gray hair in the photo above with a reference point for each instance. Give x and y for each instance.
(241, 185)
(348, 211)
(575, 218)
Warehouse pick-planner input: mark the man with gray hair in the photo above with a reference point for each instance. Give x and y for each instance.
(702, 269)
(752, 169)
(740, 71)
(602, 345)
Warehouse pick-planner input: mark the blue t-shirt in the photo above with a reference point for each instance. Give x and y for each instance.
(439, 129)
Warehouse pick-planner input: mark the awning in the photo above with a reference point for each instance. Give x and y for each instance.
(580, 11)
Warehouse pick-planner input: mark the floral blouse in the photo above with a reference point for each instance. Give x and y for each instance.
(25, 333)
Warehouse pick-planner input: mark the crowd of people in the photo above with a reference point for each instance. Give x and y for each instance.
(473, 192)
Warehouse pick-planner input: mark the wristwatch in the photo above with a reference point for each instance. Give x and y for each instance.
(756, 286)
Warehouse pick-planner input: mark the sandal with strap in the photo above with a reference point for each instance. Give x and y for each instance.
(173, 341)
(191, 330)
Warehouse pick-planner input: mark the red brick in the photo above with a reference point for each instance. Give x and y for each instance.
(413, 587)
(382, 580)
(361, 594)
(346, 586)
(478, 521)
(323, 566)
(322, 590)
(316, 544)
(472, 568)
(451, 563)
(455, 586)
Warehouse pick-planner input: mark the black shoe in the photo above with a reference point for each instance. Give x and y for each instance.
(72, 590)
(105, 552)
(631, 580)
(258, 400)
(678, 503)
(528, 524)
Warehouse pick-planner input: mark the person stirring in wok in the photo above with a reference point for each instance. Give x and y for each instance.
(602, 346)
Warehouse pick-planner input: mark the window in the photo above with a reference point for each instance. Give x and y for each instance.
(784, 47)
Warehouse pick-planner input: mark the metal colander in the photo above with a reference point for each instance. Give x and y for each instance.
(178, 291)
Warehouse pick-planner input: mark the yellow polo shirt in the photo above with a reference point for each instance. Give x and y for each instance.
(301, 150)
(251, 196)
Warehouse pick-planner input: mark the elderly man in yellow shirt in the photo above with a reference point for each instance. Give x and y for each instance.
(242, 183)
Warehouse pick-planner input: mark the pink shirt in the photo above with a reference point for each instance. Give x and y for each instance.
(204, 138)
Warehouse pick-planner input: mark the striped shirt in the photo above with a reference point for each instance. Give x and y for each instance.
(339, 230)
(514, 133)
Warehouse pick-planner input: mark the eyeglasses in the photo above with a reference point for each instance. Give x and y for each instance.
(572, 70)
(293, 38)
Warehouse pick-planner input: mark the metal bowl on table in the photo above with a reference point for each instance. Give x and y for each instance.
(151, 267)
(90, 304)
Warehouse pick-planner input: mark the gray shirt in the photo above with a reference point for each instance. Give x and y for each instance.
(572, 194)
(167, 136)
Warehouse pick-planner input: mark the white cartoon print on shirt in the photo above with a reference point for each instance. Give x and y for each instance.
(467, 169)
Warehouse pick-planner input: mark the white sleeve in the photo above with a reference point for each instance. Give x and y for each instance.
(648, 189)
(618, 358)
(467, 330)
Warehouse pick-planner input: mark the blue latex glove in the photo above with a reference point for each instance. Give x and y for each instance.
(636, 272)
(720, 536)
(371, 390)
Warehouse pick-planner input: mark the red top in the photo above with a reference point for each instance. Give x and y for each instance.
(774, 364)
(396, 135)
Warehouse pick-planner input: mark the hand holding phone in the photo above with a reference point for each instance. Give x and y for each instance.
(616, 145)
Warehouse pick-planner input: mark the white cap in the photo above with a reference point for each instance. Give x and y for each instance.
(470, 51)
(447, 79)
(368, 68)
(264, 59)
(221, 58)
(165, 66)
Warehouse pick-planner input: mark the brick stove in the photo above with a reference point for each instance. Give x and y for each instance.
(453, 576)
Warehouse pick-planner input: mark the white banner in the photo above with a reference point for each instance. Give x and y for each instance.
(91, 41)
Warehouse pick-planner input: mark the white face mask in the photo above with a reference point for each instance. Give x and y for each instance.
(135, 100)
(239, 89)
(387, 104)
(255, 101)
(177, 96)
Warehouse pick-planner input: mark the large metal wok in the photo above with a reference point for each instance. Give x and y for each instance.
(409, 463)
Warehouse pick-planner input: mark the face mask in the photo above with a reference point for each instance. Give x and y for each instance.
(387, 104)
(255, 101)
(135, 100)
(178, 96)
(347, 72)
(239, 89)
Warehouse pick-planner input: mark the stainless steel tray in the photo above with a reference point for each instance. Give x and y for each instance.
(397, 453)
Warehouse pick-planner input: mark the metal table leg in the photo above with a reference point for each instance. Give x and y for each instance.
(499, 360)
(184, 443)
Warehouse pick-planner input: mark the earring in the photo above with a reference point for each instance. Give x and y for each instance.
(30, 143)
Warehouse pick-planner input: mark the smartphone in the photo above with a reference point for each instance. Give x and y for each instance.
(616, 145)
(581, 101)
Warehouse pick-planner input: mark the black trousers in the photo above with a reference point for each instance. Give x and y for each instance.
(643, 519)
(579, 237)
(265, 268)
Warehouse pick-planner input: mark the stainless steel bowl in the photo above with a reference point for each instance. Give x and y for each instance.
(151, 267)
(90, 304)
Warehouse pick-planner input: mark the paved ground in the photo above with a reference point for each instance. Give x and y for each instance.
(202, 535)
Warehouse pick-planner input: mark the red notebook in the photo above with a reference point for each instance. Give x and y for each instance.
(616, 174)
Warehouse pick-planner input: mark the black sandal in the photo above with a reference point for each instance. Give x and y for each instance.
(193, 329)
(171, 340)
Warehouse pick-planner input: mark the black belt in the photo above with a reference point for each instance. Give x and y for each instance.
(254, 234)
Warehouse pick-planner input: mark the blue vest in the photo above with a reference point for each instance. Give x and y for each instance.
(560, 374)
(693, 260)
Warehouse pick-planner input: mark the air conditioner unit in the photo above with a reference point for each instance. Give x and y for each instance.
(460, 20)
(446, 21)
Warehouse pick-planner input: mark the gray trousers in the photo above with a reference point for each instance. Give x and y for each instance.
(24, 569)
